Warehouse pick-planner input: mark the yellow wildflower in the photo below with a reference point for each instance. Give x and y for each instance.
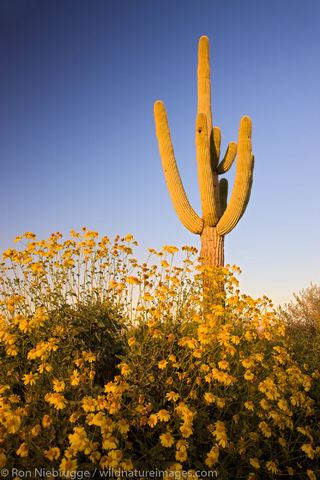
(36, 430)
(3, 388)
(282, 441)
(249, 405)
(58, 386)
(264, 404)
(25, 325)
(165, 264)
(294, 400)
(311, 475)
(30, 379)
(78, 439)
(162, 364)
(212, 456)
(125, 370)
(254, 462)
(109, 442)
(174, 396)
(74, 417)
(23, 450)
(55, 399)
(224, 365)
(46, 421)
(236, 418)
(44, 366)
(186, 430)
(182, 444)
(220, 433)
(166, 439)
(133, 280)
(153, 420)
(75, 378)
(89, 356)
(123, 426)
(170, 249)
(307, 448)
(249, 336)
(283, 405)
(181, 454)
(11, 305)
(163, 415)
(209, 397)
(272, 467)
(248, 375)
(247, 363)
(68, 465)
(12, 422)
(89, 404)
(266, 430)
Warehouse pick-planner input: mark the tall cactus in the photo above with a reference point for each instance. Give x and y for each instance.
(218, 216)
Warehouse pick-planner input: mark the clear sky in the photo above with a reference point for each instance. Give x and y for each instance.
(78, 82)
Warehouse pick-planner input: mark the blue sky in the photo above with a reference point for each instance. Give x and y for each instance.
(78, 82)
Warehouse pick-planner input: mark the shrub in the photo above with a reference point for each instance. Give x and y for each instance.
(106, 363)
(219, 391)
(302, 319)
(94, 327)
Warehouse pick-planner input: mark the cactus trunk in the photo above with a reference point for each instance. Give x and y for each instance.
(211, 247)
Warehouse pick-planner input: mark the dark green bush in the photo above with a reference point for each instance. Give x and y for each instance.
(92, 327)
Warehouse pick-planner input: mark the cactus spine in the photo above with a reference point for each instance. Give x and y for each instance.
(218, 216)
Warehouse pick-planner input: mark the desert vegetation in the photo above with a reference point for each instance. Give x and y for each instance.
(108, 363)
(302, 320)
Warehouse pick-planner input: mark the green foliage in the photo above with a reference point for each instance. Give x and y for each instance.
(92, 327)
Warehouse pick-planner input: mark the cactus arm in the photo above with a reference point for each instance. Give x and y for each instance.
(228, 159)
(205, 176)
(185, 212)
(223, 189)
(243, 181)
(204, 85)
(250, 184)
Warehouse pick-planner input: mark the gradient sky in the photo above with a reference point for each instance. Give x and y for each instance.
(78, 82)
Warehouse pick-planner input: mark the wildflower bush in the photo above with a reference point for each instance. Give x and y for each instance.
(106, 363)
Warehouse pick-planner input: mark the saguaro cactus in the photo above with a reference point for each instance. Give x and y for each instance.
(218, 216)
